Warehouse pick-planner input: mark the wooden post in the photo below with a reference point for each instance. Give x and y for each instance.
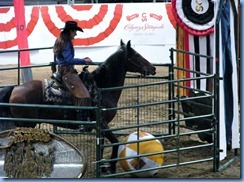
(180, 58)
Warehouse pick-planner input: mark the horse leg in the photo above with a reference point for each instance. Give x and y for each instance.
(104, 168)
(85, 114)
(113, 139)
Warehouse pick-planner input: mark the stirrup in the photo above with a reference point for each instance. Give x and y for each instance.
(57, 76)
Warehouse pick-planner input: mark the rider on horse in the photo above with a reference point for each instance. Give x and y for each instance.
(64, 52)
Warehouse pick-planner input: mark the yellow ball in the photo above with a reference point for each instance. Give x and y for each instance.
(145, 147)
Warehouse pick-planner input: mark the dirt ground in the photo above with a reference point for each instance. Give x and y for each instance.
(205, 169)
(200, 170)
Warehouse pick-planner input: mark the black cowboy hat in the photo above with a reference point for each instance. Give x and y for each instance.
(71, 25)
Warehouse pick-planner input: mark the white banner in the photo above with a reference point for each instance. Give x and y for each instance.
(149, 26)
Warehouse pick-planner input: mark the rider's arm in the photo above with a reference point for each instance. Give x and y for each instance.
(68, 55)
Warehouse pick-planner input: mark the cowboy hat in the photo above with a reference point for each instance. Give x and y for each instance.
(71, 25)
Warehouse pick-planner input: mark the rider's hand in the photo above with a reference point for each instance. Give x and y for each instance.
(88, 60)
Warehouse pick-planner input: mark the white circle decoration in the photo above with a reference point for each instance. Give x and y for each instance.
(194, 16)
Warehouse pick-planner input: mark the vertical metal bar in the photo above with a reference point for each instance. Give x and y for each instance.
(98, 136)
(216, 124)
(54, 69)
(178, 125)
(138, 108)
(18, 67)
(216, 107)
(138, 130)
(216, 99)
(171, 92)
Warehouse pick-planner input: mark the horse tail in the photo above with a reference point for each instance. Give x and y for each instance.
(5, 94)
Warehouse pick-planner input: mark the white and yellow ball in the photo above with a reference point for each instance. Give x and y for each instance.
(145, 147)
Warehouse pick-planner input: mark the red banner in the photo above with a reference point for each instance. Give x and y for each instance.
(21, 32)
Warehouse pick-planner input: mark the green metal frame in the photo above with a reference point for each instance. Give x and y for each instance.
(173, 120)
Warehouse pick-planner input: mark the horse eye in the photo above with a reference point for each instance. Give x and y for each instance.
(135, 54)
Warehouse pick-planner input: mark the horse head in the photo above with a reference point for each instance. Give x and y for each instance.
(136, 62)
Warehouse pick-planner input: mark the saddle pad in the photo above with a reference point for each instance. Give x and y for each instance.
(52, 93)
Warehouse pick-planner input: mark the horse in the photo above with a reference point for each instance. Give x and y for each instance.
(111, 73)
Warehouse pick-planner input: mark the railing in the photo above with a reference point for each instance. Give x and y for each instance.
(172, 119)
(175, 121)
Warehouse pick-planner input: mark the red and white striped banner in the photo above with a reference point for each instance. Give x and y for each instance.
(149, 26)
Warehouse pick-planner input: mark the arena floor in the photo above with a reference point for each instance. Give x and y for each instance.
(200, 170)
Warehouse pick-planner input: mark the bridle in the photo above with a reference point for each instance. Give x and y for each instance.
(129, 60)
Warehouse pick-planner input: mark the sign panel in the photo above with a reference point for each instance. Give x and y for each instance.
(149, 26)
(36, 153)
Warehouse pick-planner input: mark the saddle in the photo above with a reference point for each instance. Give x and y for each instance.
(59, 92)
(75, 85)
(54, 93)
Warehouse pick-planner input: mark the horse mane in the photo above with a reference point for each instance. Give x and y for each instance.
(110, 73)
(109, 68)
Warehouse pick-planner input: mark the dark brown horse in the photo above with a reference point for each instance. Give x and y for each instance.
(110, 73)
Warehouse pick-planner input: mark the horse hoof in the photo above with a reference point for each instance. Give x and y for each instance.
(85, 129)
(229, 146)
(106, 169)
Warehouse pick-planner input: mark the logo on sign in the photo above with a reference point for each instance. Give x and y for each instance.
(143, 23)
(37, 153)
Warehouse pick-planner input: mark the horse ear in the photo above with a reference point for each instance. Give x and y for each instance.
(121, 42)
(128, 45)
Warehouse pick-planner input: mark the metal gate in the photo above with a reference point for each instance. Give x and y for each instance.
(153, 104)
